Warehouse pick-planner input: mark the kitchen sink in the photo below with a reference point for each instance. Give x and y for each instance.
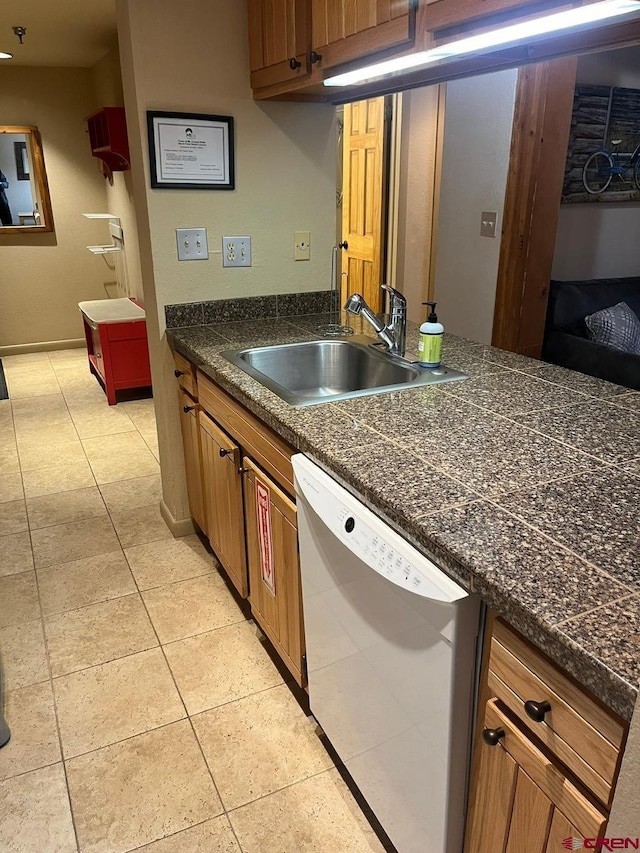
(311, 372)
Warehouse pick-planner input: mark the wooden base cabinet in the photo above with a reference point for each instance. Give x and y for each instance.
(222, 481)
(274, 566)
(522, 800)
(191, 446)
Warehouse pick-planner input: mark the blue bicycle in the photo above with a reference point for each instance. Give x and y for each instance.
(603, 165)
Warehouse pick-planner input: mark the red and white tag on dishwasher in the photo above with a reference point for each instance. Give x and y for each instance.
(263, 509)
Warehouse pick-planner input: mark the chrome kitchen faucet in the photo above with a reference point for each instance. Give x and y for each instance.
(394, 334)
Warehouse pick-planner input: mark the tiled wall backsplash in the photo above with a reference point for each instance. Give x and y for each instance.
(249, 308)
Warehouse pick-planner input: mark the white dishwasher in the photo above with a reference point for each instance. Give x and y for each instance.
(391, 656)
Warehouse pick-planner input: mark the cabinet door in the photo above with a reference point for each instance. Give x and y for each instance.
(191, 446)
(223, 507)
(521, 800)
(278, 41)
(274, 566)
(343, 30)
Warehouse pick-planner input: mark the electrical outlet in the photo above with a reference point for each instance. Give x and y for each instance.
(488, 223)
(236, 251)
(302, 245)
(192, 244)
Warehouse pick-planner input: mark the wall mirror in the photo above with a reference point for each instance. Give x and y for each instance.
(25, 204)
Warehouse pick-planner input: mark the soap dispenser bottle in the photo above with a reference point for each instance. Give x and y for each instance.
(431, 332)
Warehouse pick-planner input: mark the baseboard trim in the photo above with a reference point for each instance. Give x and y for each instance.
(178, 527)
(43, 346)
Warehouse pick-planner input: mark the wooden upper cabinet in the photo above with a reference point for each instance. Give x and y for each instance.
(279, 41)
(454, 14)
(343, 30)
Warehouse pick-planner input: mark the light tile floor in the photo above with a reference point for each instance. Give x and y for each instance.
(145, 712)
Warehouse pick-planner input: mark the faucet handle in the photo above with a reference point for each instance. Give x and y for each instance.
(397, 299)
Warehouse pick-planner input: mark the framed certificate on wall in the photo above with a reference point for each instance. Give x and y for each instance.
(191, 151)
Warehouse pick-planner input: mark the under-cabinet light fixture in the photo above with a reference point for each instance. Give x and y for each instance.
(567, 20)
(4, 55)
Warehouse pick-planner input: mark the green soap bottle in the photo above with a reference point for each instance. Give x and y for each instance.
(431, 333)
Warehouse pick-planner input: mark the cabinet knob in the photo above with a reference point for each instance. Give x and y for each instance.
(178, 373)
(294, 63)
(315, 57)
(344, 245)
(243, 471)
(492, 736)
(537, 710)
(224, 452)
(188, 408)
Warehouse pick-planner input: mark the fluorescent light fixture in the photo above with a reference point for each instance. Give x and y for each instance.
(4, 55)
(504, 35)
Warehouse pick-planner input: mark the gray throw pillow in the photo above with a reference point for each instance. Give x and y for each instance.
(617, 327)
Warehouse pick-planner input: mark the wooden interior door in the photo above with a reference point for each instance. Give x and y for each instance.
(363, 191)
(521, 800)
(224, 509)
(274, 566)
(191, 444)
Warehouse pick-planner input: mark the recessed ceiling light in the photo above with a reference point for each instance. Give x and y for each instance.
(4, 55)
(556, 22)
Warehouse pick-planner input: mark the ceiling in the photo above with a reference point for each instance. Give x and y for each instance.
(59, 32)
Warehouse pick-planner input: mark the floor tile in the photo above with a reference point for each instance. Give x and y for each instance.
(23, 655)
(15, 554)
(212, 836)
(9, 462)
(259, 745)
(97, 634)
(62, 508)
(123, 795)
(46, 436)
(151, 440)
(25, 358)
(19, 598)
(191, 607)
(11, 488)
(313, 816)
(113, 446)
(142, 413)
(127, 467)
(101, 420)
(82, 582)
(114, 701)
(35, 813)
(32, 411)
(34, 735)
(36, 456)
(124, 495)
(226, 664)
(31, 386)
(73, 541)
(13, 518)
(139, 526)
(53, 479)
(167, 561)
(63, 357)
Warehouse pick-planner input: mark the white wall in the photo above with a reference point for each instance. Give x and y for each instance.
(477, 140)
(193, 57)
(600, 239)
(19, 192)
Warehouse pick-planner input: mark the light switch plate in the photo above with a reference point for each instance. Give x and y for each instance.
(488, 223)
(302, 245)
(236, 251)
(192, 244)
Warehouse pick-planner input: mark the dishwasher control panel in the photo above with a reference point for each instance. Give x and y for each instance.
(370, 538)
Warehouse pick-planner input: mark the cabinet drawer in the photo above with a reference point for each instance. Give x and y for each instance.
(579, 731)
(260, 442)
(185, 374)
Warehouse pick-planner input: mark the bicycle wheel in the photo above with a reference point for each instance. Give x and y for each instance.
(596, 175)
(636, 174)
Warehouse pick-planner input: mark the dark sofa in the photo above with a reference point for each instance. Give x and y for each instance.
(566, 341)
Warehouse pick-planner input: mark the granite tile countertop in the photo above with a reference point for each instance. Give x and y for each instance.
(521, 482)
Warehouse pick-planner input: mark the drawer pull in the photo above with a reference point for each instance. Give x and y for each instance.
(186, 409)
(536, 710)
(314, 56)
(225, 452)
(492, 736)
(294, 63)
(178, 373)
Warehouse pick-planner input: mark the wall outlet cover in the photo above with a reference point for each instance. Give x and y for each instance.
(302, 246)
(192, 244)
(488, 223)
(236, 251)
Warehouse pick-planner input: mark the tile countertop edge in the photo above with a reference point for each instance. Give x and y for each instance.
(610, 687)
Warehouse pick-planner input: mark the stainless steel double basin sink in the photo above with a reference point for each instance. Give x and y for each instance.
(321, 371)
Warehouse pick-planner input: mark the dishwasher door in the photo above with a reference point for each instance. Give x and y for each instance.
(391, 651)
